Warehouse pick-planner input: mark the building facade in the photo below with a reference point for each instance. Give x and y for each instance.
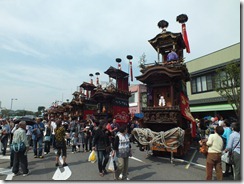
(204, 100)
(138, 98)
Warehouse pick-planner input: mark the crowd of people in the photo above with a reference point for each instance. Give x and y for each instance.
(110, 139)
(220, 135)
(57, 134)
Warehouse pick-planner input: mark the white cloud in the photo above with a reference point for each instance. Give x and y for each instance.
(50, 47)
(14, 45)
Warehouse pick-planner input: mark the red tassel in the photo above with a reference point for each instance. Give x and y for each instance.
(97, 80)
(119, 66)
(185, 38)
(131, 72)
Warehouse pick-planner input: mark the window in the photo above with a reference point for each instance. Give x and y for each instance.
(193, 86)
(209, 82)
(202, 83)
(199, 85)
(143, 100)
(132, 98)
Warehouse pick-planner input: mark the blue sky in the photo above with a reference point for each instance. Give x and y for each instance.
(48, 48)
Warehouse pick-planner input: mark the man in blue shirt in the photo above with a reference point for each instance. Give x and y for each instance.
(226, 136)
(37, 136)
(233, 145)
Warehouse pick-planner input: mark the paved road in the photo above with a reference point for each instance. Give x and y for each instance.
(141, 168)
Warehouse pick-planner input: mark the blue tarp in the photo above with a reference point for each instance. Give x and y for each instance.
(139, 115)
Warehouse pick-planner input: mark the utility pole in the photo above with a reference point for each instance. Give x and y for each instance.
(12, 102)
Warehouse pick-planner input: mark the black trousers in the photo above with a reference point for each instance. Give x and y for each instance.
(103, 157)
(20, 159)
(88, 143)
(4, 141)
(11, 158)
(47, 146)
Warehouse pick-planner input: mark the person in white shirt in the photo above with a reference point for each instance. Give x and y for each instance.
(215, 147)
(54, 126)
(29, 134)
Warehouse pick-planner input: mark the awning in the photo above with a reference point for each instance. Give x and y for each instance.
(205, 108)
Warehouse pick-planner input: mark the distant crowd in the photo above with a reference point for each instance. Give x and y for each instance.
(40, 135)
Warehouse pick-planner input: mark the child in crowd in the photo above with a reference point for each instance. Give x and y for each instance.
(73, 141)
(67, 136)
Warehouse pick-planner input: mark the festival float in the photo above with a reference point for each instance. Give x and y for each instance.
(113, 100)
(167, 125)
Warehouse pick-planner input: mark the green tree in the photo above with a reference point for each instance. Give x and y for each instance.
(40, 109)
(142, 61)
(5, 113)
(227, 84)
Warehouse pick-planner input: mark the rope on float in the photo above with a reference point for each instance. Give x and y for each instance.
(145, 137)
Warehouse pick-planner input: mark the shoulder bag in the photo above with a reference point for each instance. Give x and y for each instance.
(227, 157)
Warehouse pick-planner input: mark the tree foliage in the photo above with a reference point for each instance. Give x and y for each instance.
(142, 60)
(10, 113)
(227, 84)
(41, 108)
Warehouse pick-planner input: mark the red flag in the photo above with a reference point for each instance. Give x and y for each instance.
(131, 72)
(185, 111)
(184, 33)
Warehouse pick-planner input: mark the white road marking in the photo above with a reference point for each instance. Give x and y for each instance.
(5, 157)
(188, 165)
(10, 176)
(181, 160)
(4, 171)
(136, 159)
(58, 175)
(7, 172)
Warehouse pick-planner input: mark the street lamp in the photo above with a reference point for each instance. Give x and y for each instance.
(91, 75)
(129, 57)
(97, 74)
(118, 60)
(12, 102)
